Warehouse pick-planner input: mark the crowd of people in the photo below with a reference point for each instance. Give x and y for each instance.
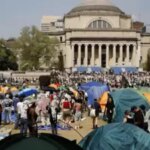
(63, 106)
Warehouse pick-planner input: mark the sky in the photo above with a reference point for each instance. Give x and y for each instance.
(16, 14)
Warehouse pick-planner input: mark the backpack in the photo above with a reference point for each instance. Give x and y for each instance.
(66, 104)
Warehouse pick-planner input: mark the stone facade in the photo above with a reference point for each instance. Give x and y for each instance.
(101, 35)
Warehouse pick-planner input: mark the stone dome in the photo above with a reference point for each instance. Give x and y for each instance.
(96, 2)
(95, 7)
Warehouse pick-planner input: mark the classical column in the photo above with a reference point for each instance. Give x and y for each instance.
(73, 59)
(121, 56)
(134, 57)
(100, 55)
(79, 54)
(68, 55)
(138, 54)
(107, 56)
(127, 57)
(92, 57)
(114, 55)
(86, 55)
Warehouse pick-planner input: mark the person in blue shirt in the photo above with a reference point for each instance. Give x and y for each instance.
(97, 109)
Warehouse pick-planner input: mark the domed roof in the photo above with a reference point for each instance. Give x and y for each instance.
(95, 7)
(96, 2)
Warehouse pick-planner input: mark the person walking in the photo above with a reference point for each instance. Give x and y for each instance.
(1, 110)
(94, 113)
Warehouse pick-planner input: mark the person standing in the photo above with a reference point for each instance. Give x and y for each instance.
(53, 111)
(95, 107)
(78, 114)
(7, 109)
(53, 119)
(23, 118)
(32, 118)
(16, 100)
(110, 108)
(1, 110)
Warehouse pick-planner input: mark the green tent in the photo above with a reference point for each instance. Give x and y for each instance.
(42, 142)
(124, 99)
(117, 136)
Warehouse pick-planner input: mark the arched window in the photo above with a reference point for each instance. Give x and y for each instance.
(99, 24)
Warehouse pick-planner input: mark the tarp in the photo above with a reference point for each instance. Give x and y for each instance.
(119, 70)
(94, 90)
(81, 69)
(117, 136)
(124, 99)
(87, 69)
(96, 69)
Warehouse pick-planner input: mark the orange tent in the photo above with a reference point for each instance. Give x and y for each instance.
(53, 85)
(103, 101)
(147, 95)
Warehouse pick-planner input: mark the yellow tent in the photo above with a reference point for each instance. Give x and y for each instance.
(147, 95)
(14, 89)
(76, 94)
(4, 89)
(103, 100)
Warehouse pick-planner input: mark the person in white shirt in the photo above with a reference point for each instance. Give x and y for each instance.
(23, 118)
(7, 109)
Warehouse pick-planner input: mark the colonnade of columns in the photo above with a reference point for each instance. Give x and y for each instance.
(103, 55)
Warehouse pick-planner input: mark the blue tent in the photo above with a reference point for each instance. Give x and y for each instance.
(27, 92)
(94, 90)
(124, 99)
(117, 136)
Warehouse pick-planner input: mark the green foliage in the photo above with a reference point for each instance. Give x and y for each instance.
(61, 62)
(147, 64)
(7, 57)
(36, 49)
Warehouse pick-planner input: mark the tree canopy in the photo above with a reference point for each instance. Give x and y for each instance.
(148, 61)
(36, 49)
(7, 57)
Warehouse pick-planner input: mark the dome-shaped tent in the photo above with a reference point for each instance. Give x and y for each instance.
(124, 99)
(43, 142)
(117, 136)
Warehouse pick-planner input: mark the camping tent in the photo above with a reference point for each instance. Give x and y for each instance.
(116, 136)
(27, 92)
(124, 99)
(103, 100)
(43, 142)
(94, 90)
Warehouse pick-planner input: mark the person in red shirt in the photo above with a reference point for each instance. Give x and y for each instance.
(66, 109)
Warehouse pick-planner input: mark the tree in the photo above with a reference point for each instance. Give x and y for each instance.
(148, 61)
(61, 62)
(36, 49)
(7, 57)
